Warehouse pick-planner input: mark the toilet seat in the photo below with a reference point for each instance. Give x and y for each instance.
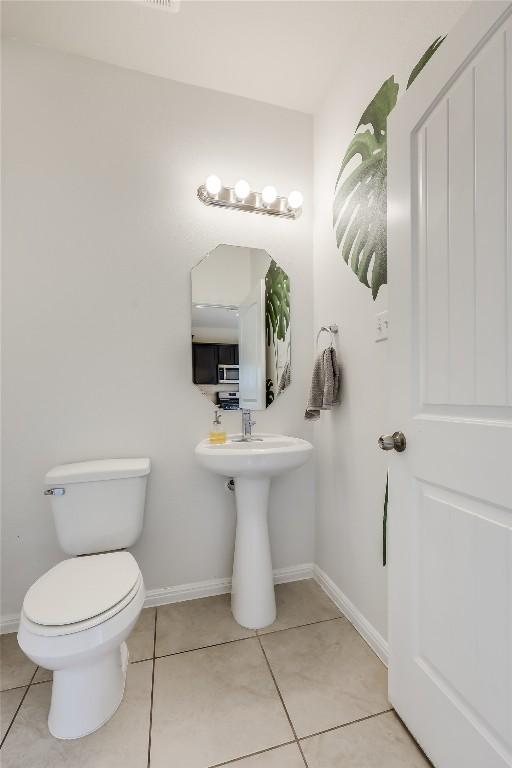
(80, 593)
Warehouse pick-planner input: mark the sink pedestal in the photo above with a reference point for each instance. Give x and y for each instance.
(252, 464)
(253, 600)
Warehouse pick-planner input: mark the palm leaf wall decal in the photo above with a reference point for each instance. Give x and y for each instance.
(360, 195)
(424, 60)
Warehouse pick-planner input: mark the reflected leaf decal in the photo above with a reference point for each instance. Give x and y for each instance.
(277, 303)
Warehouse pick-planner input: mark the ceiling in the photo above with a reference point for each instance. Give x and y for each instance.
(214, 317)
(278, 51)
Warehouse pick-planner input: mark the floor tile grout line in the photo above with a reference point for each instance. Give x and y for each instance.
(33, 676)
(298, 626)
(345, 725)
(253, 754)
(427, 758)
(205, 647)
(236, 640)
(18, 708)
(17, 687)
(282, 702)
(41, 682)
(152, 691)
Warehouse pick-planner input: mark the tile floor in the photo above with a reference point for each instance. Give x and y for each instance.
(203, 692)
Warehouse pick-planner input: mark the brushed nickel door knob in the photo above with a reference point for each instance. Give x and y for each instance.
(394, 442)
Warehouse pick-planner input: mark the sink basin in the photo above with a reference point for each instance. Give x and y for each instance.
(252, 465)
(268, 455)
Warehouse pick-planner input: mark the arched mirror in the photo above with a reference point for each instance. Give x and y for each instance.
(241, 351)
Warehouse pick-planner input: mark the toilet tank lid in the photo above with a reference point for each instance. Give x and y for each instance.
(98, 469)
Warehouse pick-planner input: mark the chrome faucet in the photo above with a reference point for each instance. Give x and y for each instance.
(247, 425)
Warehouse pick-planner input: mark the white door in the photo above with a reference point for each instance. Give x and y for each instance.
(450, 298)
(252, 361)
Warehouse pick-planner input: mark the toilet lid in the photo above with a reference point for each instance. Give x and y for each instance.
(80, 588)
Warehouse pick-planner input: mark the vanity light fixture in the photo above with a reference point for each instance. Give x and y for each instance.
(242, 190)
(213, 185)
(295, 200)
(242, 198)
(165, 5)
(269, 195)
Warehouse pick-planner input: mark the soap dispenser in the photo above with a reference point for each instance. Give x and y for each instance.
(217, 433)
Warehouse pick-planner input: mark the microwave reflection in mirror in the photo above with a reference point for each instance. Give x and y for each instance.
(241, 334)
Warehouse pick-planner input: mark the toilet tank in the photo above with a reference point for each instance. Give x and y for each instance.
(98, 506)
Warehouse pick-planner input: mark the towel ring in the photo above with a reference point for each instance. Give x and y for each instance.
(332, 329)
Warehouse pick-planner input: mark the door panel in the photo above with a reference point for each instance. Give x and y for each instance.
(461, 241)
(450, 281)
(464, 558)
(490, 224)
(436, 286)
(460, 153)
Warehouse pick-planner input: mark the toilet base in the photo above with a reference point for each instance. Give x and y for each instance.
(84, 698)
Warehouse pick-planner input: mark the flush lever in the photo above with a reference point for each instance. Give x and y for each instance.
(54, 492)
(396, 442)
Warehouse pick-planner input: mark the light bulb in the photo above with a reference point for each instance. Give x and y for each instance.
(295, 200)
(213, 185)
(269, 195)
(242, 189)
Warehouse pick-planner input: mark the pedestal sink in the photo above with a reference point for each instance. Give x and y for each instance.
(252, 464)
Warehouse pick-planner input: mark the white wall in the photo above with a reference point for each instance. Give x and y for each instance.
(351, 471)
(101, 227)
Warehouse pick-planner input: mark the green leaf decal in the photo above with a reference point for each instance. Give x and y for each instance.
(385, 524)
(425, 59)
(269, 392)
(360, 205)
(277, 303)
(360, 196)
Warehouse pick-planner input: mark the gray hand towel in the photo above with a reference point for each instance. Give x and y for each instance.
(325, 384)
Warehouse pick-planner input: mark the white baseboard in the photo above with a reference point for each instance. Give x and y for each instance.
(9, 623)
(197, 589)
(294, 573)
(165, 595)
(361, 624)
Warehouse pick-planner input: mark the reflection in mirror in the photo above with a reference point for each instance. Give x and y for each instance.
(240, 328)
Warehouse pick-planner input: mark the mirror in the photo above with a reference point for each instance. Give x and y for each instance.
(240, 328)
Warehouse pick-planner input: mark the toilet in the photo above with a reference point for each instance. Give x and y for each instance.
(76, 617)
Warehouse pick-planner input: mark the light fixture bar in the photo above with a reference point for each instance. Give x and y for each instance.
(173, 6)
(230, 307)
(253, 203)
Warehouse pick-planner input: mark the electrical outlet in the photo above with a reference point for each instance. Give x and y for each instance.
(382, 326)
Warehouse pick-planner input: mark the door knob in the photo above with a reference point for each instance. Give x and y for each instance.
(396, 442)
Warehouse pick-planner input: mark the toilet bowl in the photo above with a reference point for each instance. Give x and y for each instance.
(75, 621)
